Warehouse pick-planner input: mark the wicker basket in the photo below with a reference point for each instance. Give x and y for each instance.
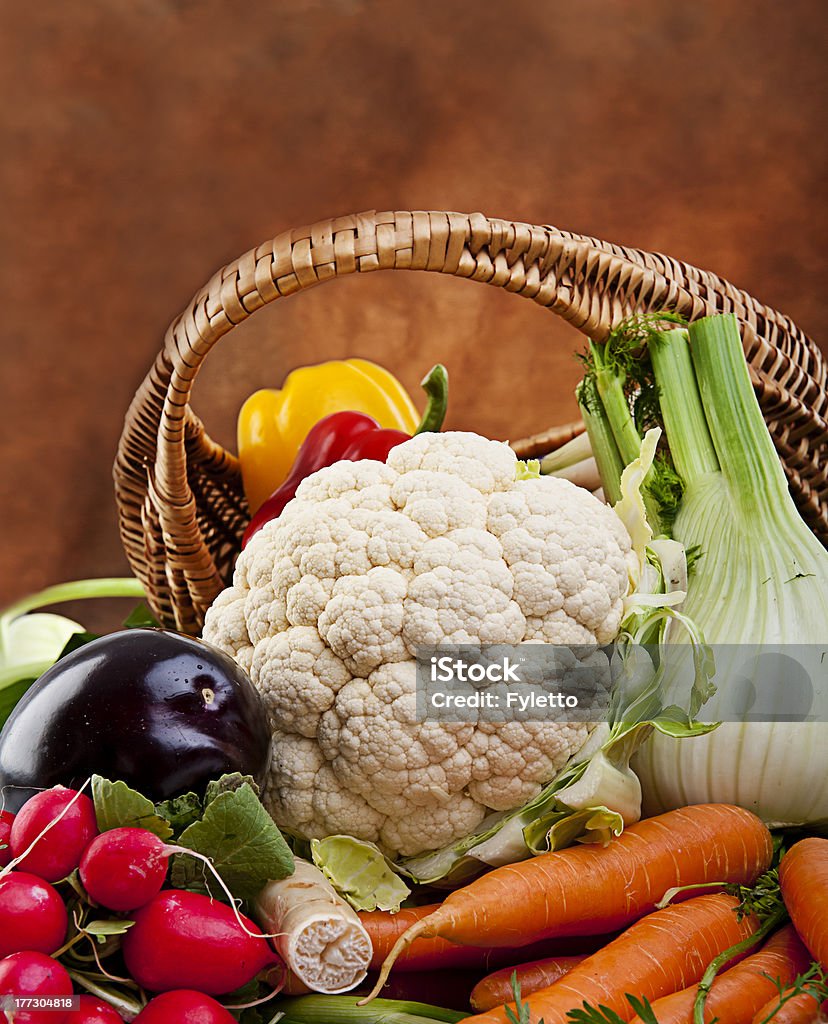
(180, 501)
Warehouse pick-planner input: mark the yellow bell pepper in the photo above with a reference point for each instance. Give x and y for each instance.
(274, 422)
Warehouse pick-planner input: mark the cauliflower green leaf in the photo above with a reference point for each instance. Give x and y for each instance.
(359, 872)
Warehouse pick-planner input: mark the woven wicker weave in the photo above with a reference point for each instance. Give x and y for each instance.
(181, 505)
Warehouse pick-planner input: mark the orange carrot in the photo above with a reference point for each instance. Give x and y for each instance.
(665, 951)
(592, 889)
(447, 989)
(425, 954)
(496, 989)
(801, 1009)
(803, 878)
(441, 955)
(736, 996)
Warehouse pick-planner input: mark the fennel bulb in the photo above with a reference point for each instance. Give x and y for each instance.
(760, 578)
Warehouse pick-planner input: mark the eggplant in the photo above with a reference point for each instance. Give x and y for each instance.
(161, 711)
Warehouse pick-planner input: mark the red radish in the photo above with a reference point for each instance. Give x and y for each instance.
(184, 1007)
(32, 915)
(34, 974)
(124, 868)
(6, 819)
(58, 824)
(94, 1011)
(182, 938)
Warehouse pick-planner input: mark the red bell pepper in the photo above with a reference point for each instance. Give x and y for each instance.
(350, 437)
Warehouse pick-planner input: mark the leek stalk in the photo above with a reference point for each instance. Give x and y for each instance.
(344, 1010)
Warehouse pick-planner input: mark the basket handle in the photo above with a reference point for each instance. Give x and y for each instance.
(182, 557)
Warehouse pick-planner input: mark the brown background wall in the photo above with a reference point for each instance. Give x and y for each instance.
(145, 143)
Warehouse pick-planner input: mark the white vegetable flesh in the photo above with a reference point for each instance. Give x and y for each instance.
(320, 938)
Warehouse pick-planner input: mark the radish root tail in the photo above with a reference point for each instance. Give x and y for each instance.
(234, 903)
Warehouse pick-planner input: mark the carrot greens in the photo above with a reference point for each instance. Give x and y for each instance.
(814, 983)
(520, 1014)
(762, 902)
(604, 1015)
(771, 922)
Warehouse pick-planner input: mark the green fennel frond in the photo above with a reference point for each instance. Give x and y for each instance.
(667, 490)
(626, 343)
(645, 401)
(639, 329)
(626, 355)
(586, 393)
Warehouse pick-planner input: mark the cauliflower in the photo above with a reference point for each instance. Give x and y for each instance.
(330, 602)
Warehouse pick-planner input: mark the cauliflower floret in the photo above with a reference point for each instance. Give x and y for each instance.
(331, 602)
(299, 678)
(438, 502)
(296, 761)
(404, 830)
(377, 747)
(512, 760)
(363, 620)
(311, 797)
(227, 626)
(563, 559)
(465, 605)
(483, 464)
(352, 481)
(337, 809)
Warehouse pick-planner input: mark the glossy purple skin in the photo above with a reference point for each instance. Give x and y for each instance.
(164, 712)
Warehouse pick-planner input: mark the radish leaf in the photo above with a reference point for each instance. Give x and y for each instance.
(118, 806)
(240, 838)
